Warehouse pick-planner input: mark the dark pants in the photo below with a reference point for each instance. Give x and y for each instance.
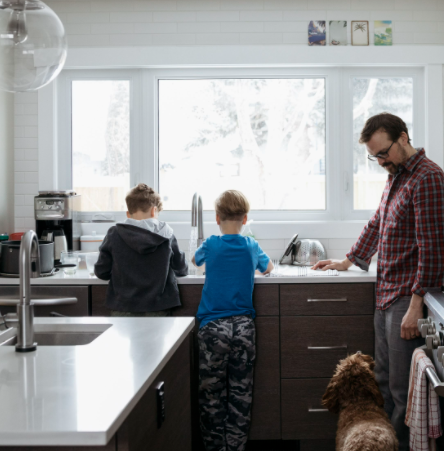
(393, 356)
(227, 350)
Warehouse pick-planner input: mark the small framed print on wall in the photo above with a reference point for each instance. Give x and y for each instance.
(359, 32)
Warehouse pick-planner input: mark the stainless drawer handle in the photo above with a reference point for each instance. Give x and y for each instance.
(328, 300)
(52, 301)
(327, 347)
(318, 410)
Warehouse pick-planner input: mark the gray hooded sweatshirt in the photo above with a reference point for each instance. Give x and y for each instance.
(141, 259)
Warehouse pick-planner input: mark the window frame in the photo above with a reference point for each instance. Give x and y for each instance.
(144, 140)
(417, 74)
(64, 110)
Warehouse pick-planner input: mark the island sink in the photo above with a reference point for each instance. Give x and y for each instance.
(57, 337)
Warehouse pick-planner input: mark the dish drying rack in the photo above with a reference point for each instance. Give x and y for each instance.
(299, 271)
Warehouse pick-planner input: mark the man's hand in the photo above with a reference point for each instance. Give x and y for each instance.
(409, 325)
(340, 265)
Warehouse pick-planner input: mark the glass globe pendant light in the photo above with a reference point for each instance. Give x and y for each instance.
(32, 45)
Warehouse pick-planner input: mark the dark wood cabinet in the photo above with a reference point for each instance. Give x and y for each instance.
(98, 297)
(265, 424)
(140, 430)
(266, 409)
(312, 346)
(80, 308)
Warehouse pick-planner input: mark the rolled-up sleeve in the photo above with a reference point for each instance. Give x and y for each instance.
(363, 250)
(428, 204)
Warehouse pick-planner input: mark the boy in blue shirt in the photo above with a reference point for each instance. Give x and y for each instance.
(226, 337)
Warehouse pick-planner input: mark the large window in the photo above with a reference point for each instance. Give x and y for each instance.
(288, 138)
(101, 143)
(264, 137)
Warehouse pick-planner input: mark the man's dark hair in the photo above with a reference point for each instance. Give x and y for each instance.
(384, 122)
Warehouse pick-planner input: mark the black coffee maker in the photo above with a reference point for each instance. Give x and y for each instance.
(57, 219)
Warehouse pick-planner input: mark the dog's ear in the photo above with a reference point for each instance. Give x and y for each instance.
(367, 359)
(331, 396)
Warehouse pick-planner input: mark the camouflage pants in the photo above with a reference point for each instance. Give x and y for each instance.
(227, 350)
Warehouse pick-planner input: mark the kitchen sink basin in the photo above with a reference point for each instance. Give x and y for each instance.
(58, 339)
(70, 337)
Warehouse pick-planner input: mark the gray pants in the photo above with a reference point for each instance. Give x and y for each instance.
(227, 351)
(393, 356)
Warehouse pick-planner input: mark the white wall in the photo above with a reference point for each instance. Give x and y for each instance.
(106, 23)
(6, 162)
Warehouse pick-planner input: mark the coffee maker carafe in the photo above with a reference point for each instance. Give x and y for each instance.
(57, 219)
(57, 236)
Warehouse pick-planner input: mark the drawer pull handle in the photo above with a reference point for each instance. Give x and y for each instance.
(328, 300)
(318, 410)
(326, 347)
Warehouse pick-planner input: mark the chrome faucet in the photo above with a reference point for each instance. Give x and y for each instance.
(29, 266)
(197, 217)
(29, 262)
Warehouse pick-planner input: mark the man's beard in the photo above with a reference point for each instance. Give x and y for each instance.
(393, 168)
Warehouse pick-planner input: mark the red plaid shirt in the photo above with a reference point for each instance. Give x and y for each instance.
(407, 231)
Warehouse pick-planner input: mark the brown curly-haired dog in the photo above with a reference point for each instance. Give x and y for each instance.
(354, 393)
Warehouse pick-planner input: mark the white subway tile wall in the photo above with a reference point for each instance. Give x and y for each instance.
(105, 23)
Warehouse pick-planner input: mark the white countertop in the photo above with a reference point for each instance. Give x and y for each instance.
(80, 395)
(353, 275)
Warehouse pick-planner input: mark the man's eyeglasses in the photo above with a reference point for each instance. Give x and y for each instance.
(381, 155)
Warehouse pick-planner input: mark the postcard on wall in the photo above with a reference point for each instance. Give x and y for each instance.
(359, 32)
(317, 32)
(383, 32)
(338, 32)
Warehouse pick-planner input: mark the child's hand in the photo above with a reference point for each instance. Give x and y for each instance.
(193, 261)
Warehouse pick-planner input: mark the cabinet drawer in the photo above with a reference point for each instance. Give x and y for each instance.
(327, 299)
(312, 346)
(265, 300)
(303, 416)
(43, 292)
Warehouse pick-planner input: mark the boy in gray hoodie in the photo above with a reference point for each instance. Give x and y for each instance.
(141, 259)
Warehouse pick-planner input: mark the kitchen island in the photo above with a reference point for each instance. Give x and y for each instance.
(102, 394)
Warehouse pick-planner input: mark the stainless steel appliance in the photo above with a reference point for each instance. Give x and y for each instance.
(303, 252)
(57, 219)
(432, 329)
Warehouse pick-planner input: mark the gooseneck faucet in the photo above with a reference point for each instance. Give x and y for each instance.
(23, 320)
(197, 217)
(29, 266)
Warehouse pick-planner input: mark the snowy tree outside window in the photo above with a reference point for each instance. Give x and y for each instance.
(265, 137)
(372, 96)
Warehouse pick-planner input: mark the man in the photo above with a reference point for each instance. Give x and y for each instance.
(407, 231)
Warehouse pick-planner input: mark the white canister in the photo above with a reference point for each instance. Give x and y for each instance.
(91, 242)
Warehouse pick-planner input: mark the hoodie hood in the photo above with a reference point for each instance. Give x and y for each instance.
(153, 225)
(140, 239)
